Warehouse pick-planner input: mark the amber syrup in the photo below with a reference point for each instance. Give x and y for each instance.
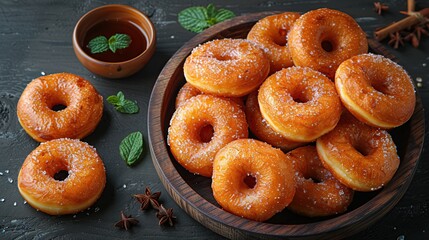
(109, 28)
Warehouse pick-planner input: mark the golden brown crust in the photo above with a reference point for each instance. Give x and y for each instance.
(339, 31)
(225, 116)
(227, 67)
(83, 186)
(376, 90)
(84, 107)
(262, 130)
(361, 157)
(271, 34)
(273, 173)
(187, 91)
(300, 103)
(318, 192)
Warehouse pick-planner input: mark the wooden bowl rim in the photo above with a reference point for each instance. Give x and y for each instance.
(193, 203)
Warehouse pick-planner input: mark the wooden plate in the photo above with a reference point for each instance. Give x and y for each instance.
(194, 195)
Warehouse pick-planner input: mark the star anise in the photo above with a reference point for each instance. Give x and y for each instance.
(380, 7)
(420, 30)
(165, 215)
(395, 40)
(126, 222)
(412, 37)
(148, 198)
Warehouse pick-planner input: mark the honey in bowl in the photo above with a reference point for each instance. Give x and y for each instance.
(108, 28)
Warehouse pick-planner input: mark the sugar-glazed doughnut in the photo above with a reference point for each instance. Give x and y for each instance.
(252, 179)
(188, 147)
(227, 67)
(318, 192)
(376, 90)
(83, 185)
(300, 103)
(260, 127)
(271, 34)
(361, 157)
(188, 91)
(322, 39)
(36, 107)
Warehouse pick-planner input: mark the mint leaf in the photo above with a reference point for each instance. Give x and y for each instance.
(128, 106)
(131, 147)
(119, 41)
(98, 44)
(196, 19)
(123, 105)
(224, 14)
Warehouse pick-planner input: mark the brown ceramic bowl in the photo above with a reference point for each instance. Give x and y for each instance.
(111, 69)
(194, 195)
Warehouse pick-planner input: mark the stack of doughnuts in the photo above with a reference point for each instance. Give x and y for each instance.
(63, 175)
(318, 107)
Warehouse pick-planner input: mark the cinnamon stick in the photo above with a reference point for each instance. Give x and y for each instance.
(411, 6)
(398, 26)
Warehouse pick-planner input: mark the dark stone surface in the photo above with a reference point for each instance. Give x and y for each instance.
(35, 39)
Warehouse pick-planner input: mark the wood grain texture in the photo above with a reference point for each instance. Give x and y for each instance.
(193, 192)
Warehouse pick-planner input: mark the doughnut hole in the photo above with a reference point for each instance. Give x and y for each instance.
(61, 175)
(327, 45)
(328, 42)
(57, 103)
(206, 133)
(250, 180)
(58, 107)
(379, 85)
(57, 170)
(363, 145)
(280, 38)
(224, 57)
(299, 96)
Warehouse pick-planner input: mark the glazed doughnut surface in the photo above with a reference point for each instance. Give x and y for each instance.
(227, 67)
(260, 127)
(79, 190)
(300, 103)
(184, 134)
(361, 157)
(271, 34)
(273, 184)
(376, 90)
(82, 113)
(318, 192)
(322, 39)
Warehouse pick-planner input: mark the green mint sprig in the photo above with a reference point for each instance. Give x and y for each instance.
(196, 19)
(123, 105)
(102, 44)
(131, 147)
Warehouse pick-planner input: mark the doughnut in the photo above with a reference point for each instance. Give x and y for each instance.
(252, 179)
(322, 39)
(193, 151)
(361, 157)
(376, 90)
(299, 103)
(42, 189)
(318, 192)
(187, 91)
(271, 34)
(261, 129)
(39, 118)
(227, 67)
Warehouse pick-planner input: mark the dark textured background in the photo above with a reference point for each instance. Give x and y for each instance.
(35, 39)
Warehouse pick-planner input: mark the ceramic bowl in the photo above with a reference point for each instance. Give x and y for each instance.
(112, 69)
